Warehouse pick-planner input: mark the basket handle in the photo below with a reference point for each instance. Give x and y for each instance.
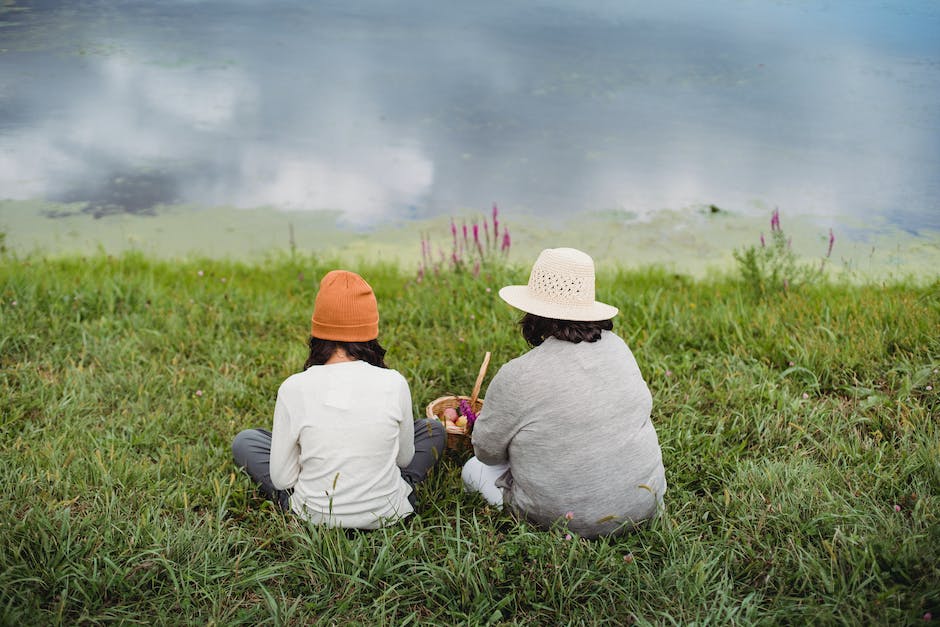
(479, 381)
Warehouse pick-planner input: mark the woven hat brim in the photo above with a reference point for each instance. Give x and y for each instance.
(521, 297)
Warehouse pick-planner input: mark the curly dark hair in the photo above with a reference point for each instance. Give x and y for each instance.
(536, 328)
(321, 350)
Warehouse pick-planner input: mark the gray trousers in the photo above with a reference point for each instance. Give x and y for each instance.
(252, 452)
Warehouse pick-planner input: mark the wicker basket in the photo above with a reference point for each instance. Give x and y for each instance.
(458, 437)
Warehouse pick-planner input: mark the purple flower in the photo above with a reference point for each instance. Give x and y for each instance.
(569, 515)
(466, 410)
(762, 242)
(476, 238)
(465, 232)
(198, 392)
(495, 224)
(775, 220)
(897, 508)
(507, 242)
(425, 248)
(832, 240)
(567, 536)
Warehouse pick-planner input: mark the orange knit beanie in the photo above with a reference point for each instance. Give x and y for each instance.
(345, 309)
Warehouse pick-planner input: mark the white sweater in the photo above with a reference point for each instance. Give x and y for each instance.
(341, 432)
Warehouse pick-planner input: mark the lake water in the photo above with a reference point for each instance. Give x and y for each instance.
(386, 112)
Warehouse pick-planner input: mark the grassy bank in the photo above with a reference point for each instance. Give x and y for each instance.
(801, 436)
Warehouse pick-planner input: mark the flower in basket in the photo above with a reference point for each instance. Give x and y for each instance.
(467, 412)
(461, 416)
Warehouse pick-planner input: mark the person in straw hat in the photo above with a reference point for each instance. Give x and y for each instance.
(345, 449)
(565, 432)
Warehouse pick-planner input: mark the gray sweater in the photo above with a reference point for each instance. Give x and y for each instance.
(573, 422)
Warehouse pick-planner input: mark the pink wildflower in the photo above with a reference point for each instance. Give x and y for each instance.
(465, 232)
(775, 220)
(792, 364)
(668, 373)
(476, 233)
(13, 303)
(628, 558)
(762, 242)
(928, 616)
(805, 396)
(897, 508)
(569, 515)
(198, 392)
(929, 387)
(200, 273)
(832, 240)
(495, 224)
(567, 536)
(507, 242)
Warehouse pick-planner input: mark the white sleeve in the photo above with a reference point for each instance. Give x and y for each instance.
(285, 449)
(406, 427)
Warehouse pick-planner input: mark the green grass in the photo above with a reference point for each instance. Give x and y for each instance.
(120, 502)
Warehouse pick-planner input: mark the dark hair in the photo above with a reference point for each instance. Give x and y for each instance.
(536, 328)
(321, 350)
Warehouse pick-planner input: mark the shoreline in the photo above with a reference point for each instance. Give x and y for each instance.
(696, 241)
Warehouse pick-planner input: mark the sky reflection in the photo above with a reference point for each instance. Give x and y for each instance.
(389, 112)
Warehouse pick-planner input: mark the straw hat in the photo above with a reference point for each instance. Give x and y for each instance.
(561, 286)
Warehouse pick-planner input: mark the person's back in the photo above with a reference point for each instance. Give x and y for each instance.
(565, 432)
(345, 421)
(344, 449)
(581, 439)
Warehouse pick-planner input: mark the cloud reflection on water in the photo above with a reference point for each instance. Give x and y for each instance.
(384, 113)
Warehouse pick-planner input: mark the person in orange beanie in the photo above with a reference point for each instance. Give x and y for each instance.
(345, 449)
